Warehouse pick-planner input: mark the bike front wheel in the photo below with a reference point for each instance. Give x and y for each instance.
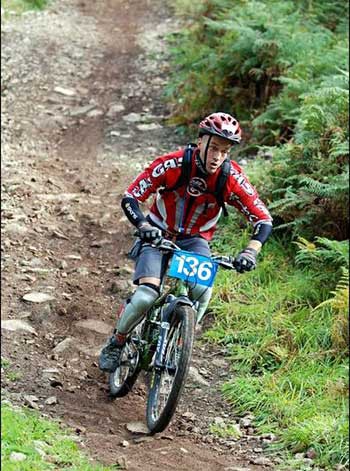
(166, 385)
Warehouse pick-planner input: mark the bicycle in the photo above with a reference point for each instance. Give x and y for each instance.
(162, 343)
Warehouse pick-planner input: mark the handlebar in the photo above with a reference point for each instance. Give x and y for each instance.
(167, 245)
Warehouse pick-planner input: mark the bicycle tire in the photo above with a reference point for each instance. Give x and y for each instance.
(185, 316)
(125, 388)
(127, 382)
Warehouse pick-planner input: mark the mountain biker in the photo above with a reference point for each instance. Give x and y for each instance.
(187, 214)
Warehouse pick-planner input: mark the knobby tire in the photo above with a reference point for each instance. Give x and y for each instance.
(185, 316)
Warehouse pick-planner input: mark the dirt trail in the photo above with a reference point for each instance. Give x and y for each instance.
(71, 75)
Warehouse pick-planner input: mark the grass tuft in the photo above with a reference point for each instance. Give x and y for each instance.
(283, 326)
(45, 444)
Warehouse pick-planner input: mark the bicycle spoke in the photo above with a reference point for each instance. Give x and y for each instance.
(167, 376)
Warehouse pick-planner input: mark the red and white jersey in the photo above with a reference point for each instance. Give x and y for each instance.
(192, 209)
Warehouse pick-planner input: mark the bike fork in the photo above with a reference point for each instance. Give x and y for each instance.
(161, 345)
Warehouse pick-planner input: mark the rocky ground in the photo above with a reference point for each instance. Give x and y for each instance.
(82, 114)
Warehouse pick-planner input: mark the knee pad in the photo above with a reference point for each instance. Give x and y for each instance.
(140, 302)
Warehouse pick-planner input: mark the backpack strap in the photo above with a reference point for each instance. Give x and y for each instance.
(185, 169)
(220, 185)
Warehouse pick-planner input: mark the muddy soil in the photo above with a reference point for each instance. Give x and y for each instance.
(82, 114)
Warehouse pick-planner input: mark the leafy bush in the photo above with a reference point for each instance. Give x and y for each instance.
(285, 328)
(282, 69)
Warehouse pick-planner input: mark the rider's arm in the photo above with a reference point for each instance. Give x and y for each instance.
(159, 174)
(242, 195)
(132, 210)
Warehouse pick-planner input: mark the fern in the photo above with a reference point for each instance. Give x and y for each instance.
(339, 304)
(331, 252)
(333, 189)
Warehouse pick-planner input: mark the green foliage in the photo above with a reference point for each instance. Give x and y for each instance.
(328, 252)
(286, 331)
(283, 68)
(225, 430)
(9, 374)
(45, 444)
(19, 6)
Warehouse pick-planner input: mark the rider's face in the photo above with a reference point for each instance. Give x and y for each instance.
(217, 152)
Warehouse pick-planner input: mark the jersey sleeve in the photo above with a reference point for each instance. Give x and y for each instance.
(155, 176)
(243, 196)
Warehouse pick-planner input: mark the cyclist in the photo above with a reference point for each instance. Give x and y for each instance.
(186, 212)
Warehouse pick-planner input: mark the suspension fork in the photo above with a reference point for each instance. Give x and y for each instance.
(167, 314)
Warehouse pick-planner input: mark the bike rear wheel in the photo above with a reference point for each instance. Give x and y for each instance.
(122, 380)
(167, 385)
(124, 377)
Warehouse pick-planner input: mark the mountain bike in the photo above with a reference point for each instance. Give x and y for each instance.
(162, 343)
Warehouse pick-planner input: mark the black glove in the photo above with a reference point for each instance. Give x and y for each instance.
(149, 233)
(246, 260)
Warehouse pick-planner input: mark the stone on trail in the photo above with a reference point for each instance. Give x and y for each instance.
(137, 427)
(245, 422)
(30, 401)
(196, 377)
(65, 91)
(148, 127)
(94, 325)
(143, 439)
(64, 345)
(73, 257)
(189, 416)
(17, 324)
(15, 229)
(50, 372)
(81, 110)
(261, 460)
(237, 468)
(95, 113)
(114, 109)
(132, 117)
(51, 400)
(36, 297)
(219, 421)
(15, 456)
(122, 463)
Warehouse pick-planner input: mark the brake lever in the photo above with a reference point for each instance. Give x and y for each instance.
(225, 261)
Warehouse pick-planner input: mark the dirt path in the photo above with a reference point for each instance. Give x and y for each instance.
(82, 114)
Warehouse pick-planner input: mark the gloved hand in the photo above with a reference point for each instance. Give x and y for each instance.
(149, 233)
(246, 260)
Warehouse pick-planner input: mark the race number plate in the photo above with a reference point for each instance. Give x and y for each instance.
(194, 268)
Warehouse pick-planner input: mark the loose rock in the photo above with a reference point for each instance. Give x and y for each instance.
(15, 456)
(36, 297)
(51, 400)
(17, 324)
(137, 427)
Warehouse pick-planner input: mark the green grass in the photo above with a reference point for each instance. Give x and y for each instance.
(20, 6)
(10, 375)
(225, 430)
(46, 445)
(288, 367)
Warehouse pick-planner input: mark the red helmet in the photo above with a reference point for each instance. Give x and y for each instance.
(223, 125)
